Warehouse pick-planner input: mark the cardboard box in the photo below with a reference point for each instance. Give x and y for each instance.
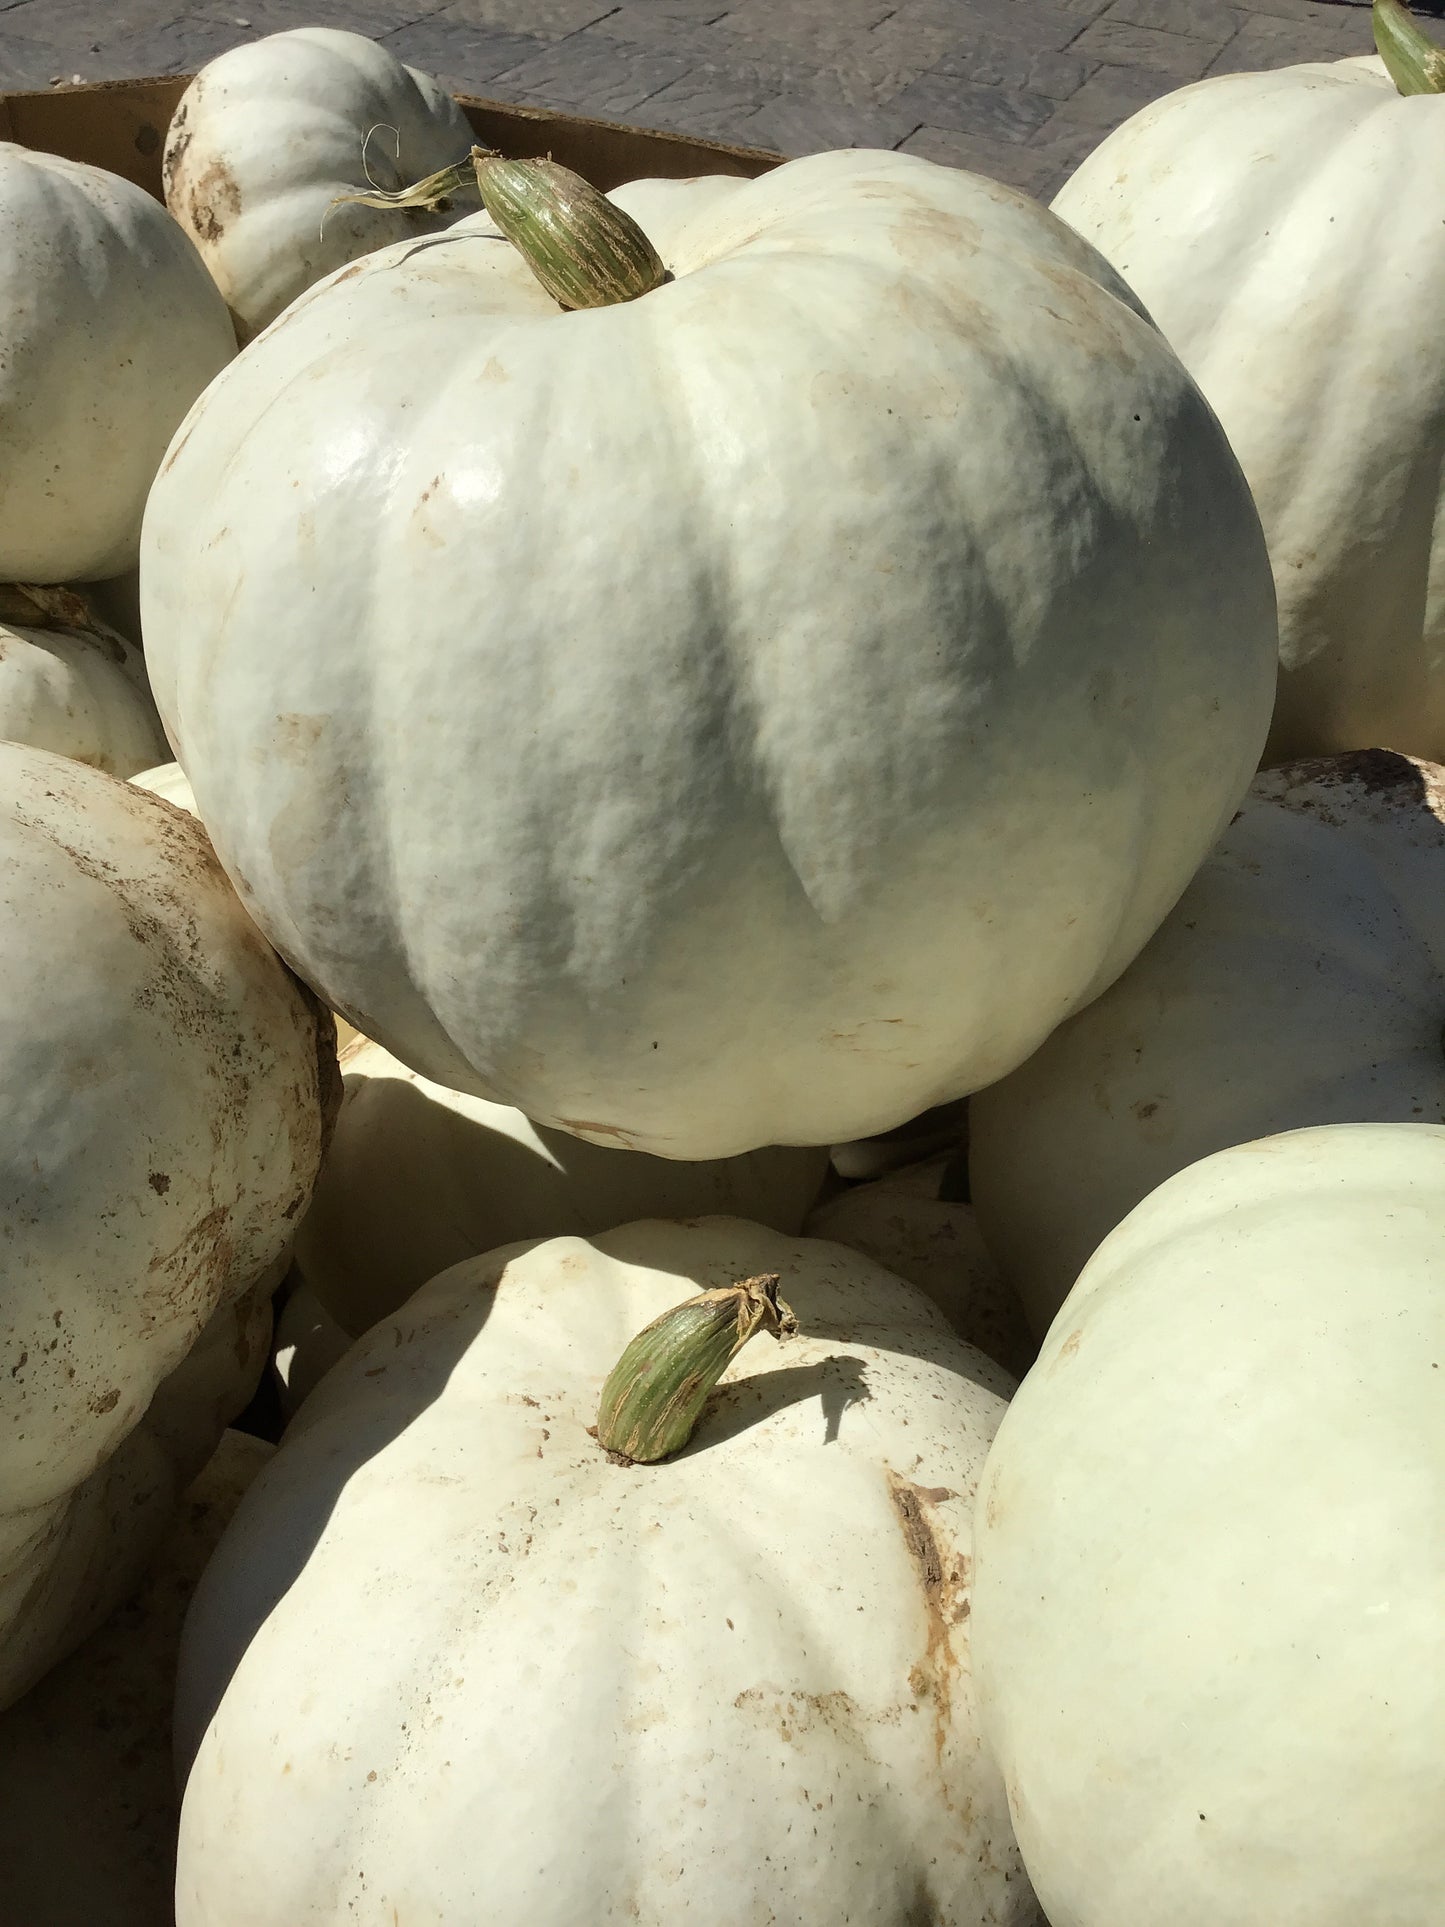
(121, 125)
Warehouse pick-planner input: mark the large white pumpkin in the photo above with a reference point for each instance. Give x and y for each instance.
(418, 1177)
(1300, 980)
(1261, 220)
(267, 136)
(88, 1799)
(109, 329)
(1210, 1546)
(168, 1087)
(71, 684)
(450, 1659)
(745, 715)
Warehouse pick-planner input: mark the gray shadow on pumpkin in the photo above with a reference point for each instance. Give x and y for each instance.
(236, 1600)
(836, 1383)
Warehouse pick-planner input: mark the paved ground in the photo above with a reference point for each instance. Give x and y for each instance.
(1020, 89)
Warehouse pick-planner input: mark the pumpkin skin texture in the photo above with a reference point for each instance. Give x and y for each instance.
(1209, 1558)
(418, 1177)
(803, 727)
(80, 693)
(1300, 980)
(109, 329)
(170, 781)
(268, 135)
(905, 1223)
(90, 1809)
(760, 1695)
(1259, 218)
(168, 1088)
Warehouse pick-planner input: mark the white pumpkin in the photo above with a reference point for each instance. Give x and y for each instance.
(109, 329)
(451, 1660)
(911, 1226)
(1210, 1561)
(71, 684)
(89, 1809)
(170, 781)
(1260, 219)
(418, 1177)
(745, 715)
(267, 136)
(168, 1086)
(1301, 980)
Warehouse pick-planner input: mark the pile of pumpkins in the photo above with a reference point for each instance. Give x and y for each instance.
(684, 687)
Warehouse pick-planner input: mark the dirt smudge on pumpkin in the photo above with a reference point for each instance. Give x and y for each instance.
(211, 202)
(920, 233)
(178, 141)
(794, 1712)
(943, 1586)
(297, 735)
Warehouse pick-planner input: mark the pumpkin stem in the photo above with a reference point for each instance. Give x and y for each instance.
(1413, 61)
(655, 1393)
(582, 248)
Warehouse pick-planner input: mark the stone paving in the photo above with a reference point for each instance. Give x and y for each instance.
(1020, 89)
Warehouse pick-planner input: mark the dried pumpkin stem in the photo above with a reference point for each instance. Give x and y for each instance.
(655, 1393)
(45, 605)
(582, 248)
(1413, 61)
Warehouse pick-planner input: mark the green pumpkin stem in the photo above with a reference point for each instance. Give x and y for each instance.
(582, 248)
(655, 1393)
(1412, 60)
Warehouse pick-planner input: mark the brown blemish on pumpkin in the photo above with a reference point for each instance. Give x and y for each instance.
(795, 1712)
(943, 1580)
(919, 234)
(1068, 1348)
(211, 202)
(159, 1182)
(297, 735)
(107, 1402)
(178, 141)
